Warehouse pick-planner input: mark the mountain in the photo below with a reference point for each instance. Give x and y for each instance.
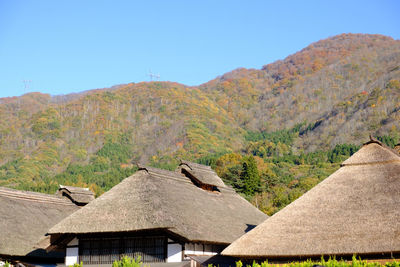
(344, 87)
(335, 91)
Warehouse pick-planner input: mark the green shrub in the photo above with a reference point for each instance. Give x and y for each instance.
(331, 262)
(128, 262)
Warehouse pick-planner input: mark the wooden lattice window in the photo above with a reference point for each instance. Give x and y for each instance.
(107, 250)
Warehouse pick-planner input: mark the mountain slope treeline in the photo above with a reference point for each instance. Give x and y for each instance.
(296, 117)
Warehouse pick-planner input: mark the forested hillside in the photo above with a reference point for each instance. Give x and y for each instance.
(289, 124)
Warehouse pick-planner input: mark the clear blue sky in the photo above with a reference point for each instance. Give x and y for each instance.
(76, 45)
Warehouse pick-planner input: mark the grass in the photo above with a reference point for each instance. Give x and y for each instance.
(331, 262)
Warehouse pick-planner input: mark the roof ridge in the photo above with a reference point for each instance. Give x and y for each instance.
(35, 198)
(180, 178)
(159, 171)
(176, 178)
(74, 187)
(82, 193)
(84, 189)
(205, 170)
(198, 165)
(27, 193)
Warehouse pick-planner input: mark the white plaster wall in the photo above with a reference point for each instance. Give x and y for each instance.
(71, 256)
(199, 249)
(194, 249)
(208, 250)
(174, 252)
(72, 252)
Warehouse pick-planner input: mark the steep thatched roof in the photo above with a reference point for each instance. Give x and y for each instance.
(202, 173)
(372, 152)
(78, 195)
(355, 210)
(25, 219)
(159, 199)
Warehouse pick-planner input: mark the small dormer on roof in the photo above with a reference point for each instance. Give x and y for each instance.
(201, 175)
(78, 195)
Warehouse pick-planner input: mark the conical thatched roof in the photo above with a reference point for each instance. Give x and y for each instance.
(159, 199)
(25, 217)
(356, 210)
(371, 153)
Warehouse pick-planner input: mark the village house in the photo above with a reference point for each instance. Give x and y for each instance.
(27, 216)
(162, 216)
(356, 210)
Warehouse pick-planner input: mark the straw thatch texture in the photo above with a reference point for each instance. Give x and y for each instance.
(397, 148)
(204, 174)
(79, 195)
(154, 199)
(372, 152)
(25, 217)
(355, 210)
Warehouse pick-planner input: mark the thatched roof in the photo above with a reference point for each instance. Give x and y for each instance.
(202, 173)
(159, 199)
(397, 148)
(353, 211)
(78, 195)
(372, 152)
(25, 217)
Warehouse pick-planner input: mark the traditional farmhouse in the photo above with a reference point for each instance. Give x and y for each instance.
(25, 219)
(162, 216)
(356, 210)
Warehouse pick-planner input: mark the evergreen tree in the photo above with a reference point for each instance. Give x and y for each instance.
(250, 176)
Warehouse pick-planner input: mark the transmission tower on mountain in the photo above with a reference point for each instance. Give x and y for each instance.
(153, 76)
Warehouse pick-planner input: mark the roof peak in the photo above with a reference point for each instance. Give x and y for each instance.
(192, 165)
(372, 152)
(373, 140)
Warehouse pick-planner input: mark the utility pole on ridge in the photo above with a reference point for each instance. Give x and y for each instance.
(153, 75)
